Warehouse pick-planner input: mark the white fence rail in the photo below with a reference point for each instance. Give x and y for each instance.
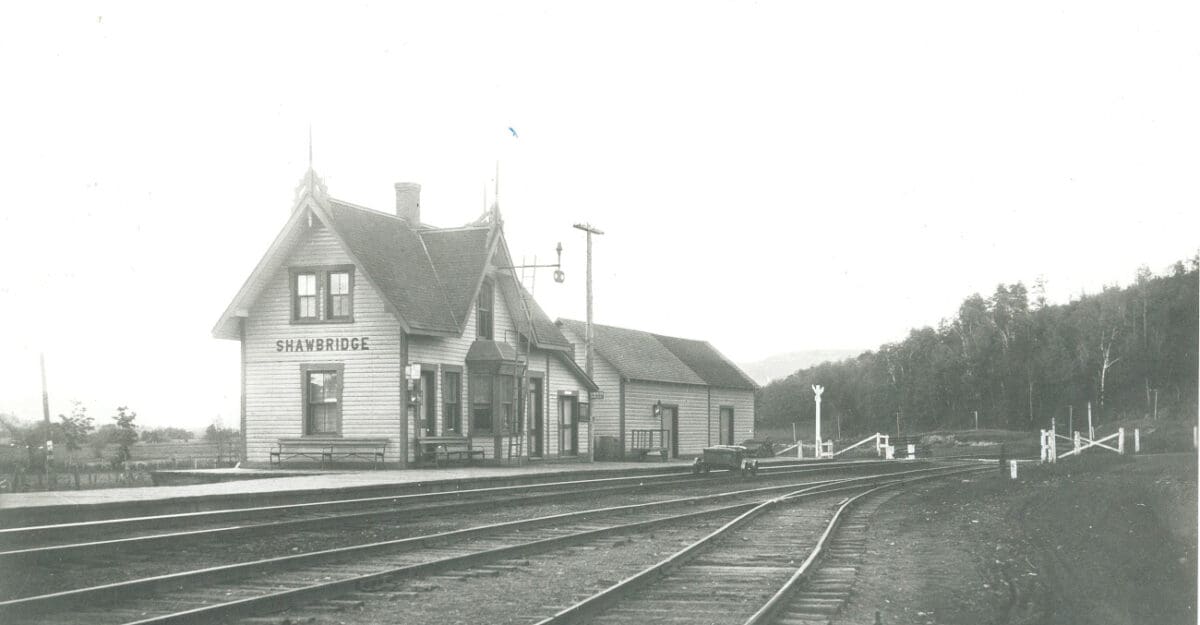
(1079, 443)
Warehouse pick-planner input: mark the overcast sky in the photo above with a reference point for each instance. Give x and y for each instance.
(771, 177)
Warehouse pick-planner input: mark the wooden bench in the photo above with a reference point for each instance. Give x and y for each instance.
(445, 448)
(643, 442)
(324, 450)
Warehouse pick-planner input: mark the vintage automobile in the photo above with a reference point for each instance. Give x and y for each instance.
(759, 447)
(732, 457)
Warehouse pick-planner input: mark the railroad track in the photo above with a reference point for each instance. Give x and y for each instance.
(34, 545)
(746, 571)
(265, 585)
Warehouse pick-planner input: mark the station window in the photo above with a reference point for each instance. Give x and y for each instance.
(338, 287)
(481, 403)
(507, 408)
(483, 311)
(305, 300)
(452, 400)
(322, 294)
(322, 401)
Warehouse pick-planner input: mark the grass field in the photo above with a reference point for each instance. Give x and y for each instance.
(81, 468)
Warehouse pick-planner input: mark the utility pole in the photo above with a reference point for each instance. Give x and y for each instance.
(1071, 419)
(976, 419)
(589, 338)
(48, 459)
(1156, 404)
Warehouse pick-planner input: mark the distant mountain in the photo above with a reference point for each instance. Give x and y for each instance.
(783, 365)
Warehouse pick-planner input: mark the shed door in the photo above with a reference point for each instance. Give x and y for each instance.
(726, 425)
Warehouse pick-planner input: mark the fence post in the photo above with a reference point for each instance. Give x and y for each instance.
(1053, 447)
(1077, 443)
(1042, 443)
(799, 449)
(1012, 469)
(1121, 441)
(1137, 441)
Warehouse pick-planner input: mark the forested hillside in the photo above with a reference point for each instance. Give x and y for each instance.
(1018, 361)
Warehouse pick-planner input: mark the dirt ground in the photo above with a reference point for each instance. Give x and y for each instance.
(1097, 539)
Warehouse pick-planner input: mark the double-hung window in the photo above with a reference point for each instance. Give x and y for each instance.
(322, 400)
(481, 403)
(339, 298)
(483, 312)
(304, 287)
(322, 294)
(452, 401)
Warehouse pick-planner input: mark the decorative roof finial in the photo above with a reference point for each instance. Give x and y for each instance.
(311, 185)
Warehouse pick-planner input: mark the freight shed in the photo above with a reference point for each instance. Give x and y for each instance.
(663, 393)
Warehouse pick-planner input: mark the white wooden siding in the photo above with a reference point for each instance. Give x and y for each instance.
(640, 398)
(441, 351)
(274, 390)
(743, 413)
(606, 412)
(562, 379)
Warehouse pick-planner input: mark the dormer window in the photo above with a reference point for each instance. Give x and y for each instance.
(322, 294)
(483, 312)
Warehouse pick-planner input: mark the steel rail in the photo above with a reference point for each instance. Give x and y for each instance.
(288, 598)
(609, 596)
(780, 598)
(137, 587)
(29, 534)
(228, 514)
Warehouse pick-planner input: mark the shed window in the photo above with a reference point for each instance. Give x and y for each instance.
(323, 402)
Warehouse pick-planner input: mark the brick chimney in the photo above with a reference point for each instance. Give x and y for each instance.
(408, 202)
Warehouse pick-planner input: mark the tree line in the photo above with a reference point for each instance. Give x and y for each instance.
(1016, 361)
(78, 430)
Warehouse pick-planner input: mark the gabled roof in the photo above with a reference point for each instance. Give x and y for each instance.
(635, 354)
(393, 256)
(641, 355)
(459, 257)
(428, 277)
(707, 362)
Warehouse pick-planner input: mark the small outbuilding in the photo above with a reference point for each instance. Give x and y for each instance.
(662, 393)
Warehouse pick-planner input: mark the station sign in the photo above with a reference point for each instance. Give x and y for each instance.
(325, 344)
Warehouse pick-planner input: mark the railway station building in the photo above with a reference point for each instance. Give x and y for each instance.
(662, 394)
(373, 335)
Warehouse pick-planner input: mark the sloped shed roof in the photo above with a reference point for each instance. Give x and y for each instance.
(641, 355)
(707, 362)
